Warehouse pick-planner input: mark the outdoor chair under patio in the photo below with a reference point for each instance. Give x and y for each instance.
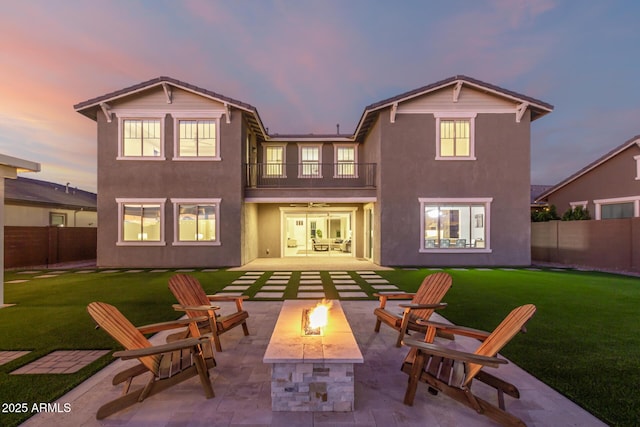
(167, 364)
(452, 371)
(423, 303)
(195, 302)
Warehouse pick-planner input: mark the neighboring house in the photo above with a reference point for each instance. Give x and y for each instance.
(436, 176)
(536, 190)
(30, 202)
(608, 187)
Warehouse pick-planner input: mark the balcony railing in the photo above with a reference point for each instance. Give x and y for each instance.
(311, 175)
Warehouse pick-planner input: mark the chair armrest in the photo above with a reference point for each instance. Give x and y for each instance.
(172, 324)
(438, 306)
(437, 350)
(456, 330)
(394, 295)
(226, 298)
(237, 299)
(159, 349)
(178, 307)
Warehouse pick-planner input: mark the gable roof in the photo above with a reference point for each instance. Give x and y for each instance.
(591, 166)
(26, 191)
(538, 108)
(91, 106)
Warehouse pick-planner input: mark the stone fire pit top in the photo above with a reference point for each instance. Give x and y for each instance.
(287, 345)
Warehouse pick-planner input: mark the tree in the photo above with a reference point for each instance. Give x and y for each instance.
(544, 215)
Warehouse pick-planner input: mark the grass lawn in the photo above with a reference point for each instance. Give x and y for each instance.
(583, 340)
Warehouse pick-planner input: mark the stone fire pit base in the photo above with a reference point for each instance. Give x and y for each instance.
(312, 373)
(312, 387)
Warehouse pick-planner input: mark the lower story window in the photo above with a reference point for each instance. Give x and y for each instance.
(454, 224)
(197, 221)
(141, 221)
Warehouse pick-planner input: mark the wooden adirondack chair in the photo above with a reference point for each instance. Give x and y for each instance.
(452, 372)
(195, 302)
(168, 364)
(423, 303)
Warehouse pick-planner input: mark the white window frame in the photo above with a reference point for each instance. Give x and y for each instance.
(461, 201)
(266, 145)
(634, 199)
(472, 132)
(195, 115)
(637, 159)
(142, 201)
(336, 147)
(301, 166)
(176, 225)
(136, 115)
(582, 204)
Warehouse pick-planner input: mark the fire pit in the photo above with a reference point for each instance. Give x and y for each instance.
(312, 366)
(315, 319)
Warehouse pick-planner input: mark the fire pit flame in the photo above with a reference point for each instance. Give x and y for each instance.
(315, 319)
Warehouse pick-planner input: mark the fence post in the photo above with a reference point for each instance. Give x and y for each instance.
(52, 257)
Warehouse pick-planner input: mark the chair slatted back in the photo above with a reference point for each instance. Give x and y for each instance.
(501, 335)
(188, 291)
(115, 324)
(431, 291)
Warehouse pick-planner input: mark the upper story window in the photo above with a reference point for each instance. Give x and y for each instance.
(141, 138)
(637, 159)
(346, 159)
(455, 136)
(141, 221)
(454, 224)
(274, 161)
(197, 138)
(197, 221)
(310, 161)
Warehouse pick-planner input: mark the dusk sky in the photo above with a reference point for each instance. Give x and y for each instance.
(308, 65)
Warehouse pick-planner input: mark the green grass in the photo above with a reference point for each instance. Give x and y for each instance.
(583, 340)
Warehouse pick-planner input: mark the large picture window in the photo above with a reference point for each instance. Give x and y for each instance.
(141, 138)
(141, 221)
(455, 136)
(197, 138)
(454, 224)
(197, 221)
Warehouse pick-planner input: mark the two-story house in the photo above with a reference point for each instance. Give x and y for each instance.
(436, 176)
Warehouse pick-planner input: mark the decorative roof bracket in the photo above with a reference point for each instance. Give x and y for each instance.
(227, 112)
(394, 110)
(167, 92)
(456, 91)
(106, 110)
(520, 110)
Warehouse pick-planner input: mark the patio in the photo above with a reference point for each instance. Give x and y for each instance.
(241, 382)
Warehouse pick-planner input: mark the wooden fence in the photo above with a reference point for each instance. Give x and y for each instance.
(612, 244)
(29, 246)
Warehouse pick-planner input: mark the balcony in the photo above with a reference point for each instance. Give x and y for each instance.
(311, 175)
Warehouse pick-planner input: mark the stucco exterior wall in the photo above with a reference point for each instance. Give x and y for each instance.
(170, 179)
(612, 179)
(409, 171)
(25, 216)
(371, 152)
